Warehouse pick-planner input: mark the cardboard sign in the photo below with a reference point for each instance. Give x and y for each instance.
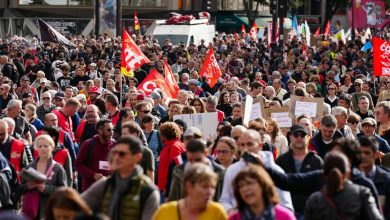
(313, 107)
(253, 109)
(283, 119)
(206, 122)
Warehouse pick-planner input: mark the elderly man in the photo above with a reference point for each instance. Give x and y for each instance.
(341, 115)
(250, 142)
(369, 127)
(359, 93)
(5, 96)
(22, 130)
(87, 127)
(364, 112)
(211, 106)
(195, 89)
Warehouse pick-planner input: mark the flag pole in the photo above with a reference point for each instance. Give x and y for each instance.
(121, 91)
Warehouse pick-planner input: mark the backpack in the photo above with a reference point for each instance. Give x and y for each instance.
(14, 74)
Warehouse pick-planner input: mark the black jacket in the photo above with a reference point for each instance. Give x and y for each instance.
(310, 163)
(318, 145)
(353, 202)
(382, 183)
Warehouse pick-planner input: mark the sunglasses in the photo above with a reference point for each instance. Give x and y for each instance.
(45, 98)
(146, 112)
(299, 135)
(121, 154)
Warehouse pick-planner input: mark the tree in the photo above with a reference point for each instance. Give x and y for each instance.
(252, 13)
(331, 7)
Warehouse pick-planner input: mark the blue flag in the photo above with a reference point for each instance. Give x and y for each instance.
(295, 25)
(366, 46)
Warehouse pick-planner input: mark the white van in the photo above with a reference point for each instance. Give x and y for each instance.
(186, 33)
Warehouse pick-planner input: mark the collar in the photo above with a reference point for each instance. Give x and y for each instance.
(371, 173)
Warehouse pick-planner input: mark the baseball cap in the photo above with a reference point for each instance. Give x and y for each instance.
(360, 81)
(93, 64)
(140, 97)
(59, 95)
(93, 89)
(193, 81)
(192, 131)
(81, 97)
(155, 95)
(296, 128)
(43, 80)
(369, 121)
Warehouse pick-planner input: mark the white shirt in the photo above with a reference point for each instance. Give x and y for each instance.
(227, 197)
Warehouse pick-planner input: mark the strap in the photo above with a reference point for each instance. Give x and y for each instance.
(150, 136)
(333, 205)
(178, 210)
(52, 165)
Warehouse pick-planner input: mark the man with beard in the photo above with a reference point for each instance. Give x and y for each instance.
(299, 160)
(87, 127)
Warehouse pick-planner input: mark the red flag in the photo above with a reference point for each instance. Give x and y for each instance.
(327, 29)
(132, 56)
(317, 33)
(243, 29)
(170, 80)
(136, 22)
(153, 81)
(210, 69)
(381, 52)
(253, 32)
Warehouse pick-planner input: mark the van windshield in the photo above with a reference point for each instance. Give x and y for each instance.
(175, 39)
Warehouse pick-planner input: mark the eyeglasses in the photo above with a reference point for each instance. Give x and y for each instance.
(121, 154)
(223, 151)
(358, 84)
(44, 98)
(331, 89)
(299, 135)
(146, 112)
(352, 122)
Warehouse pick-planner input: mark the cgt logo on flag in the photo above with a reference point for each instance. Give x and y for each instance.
(132, 56)
(381, 52)
(210, 69)
(154, 81)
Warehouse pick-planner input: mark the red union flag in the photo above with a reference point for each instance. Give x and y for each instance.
(132, 56)
(154, 81)
(381, 52)
(170, 80)
(210, 69)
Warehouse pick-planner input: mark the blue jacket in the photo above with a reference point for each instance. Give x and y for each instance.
(382, 183)
(384, 147)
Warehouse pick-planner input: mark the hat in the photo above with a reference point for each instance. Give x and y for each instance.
(181, 123)
(140, 97)
(25, 78)
(59, 95)
(81, 97)
(369, 121)
(93, 89)
(296, 128)
(93, 64)
(193, 81)
(192, 131)
(360, 81)
(155, 95)
(43, 80)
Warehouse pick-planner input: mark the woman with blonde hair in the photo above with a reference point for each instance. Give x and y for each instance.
(40, 190)
(85, 90)
(277, 138)
(199, 185)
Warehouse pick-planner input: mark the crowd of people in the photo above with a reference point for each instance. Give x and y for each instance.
(78, 140)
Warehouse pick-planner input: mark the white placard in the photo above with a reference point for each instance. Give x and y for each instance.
(308, 108)
(248, 109)
(255, 112)
(206, 122)
(104, 165)
(282, 119)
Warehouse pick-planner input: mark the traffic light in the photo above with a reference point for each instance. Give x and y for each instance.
(273, 7)
(282, 8)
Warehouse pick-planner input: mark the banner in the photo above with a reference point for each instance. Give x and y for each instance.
(381, 53)
(253, 31)
(210, 69)
(369, 13)
(171, 81)
(49, 34)
(132, 56)
(154, 81)
(107, 17)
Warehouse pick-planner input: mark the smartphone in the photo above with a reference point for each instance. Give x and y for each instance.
(249, 158)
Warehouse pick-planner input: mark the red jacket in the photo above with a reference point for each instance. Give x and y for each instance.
(65, 122)
(17, 148)
(170, 151)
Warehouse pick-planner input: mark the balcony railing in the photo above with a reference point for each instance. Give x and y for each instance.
(90, 3)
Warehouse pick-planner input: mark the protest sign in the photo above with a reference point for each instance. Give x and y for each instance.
(206, 122)
(281, 115)
(253, 109)
(312, 107)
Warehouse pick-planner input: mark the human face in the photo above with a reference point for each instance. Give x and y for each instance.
(174, 111)
(59, 102)
(368, 157)
(380, 115)
(224, 153)
(363, 105)
(14, 112)
(298, 140)
(211, 107)
(44, 148)
(3, 134)
(106, 132)
(149, 125)
(4, 90)
(51, 121)
(343, 103)
(341, 119)
(237, 112)
(197, 157)
(198, 106)
(291, 87)
(306, 123)
(250, 191)
(368, 129)
(63, 214)
(366, 87)
(28, 112)
(68, 93)
(226, 98)
(331, 90)
(182, 98)
(122, 158)
(358, 87)
(327, 132)
(46, 99)
(247, 143)
(201, 192)
(73, 110)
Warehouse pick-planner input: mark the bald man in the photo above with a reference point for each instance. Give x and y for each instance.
(12, 149)
(87, 127)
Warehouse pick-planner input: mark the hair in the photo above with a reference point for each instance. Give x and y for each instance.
(300, 92)
(170, 130)
(142, 104)
(345, 97)
(291, 81)
(350, 148)
(66, 198)
(336, 166)
(32, 108)
(212, 100)
(329, 121)
(229, 141)
(113, 100)
(275, 131)
(133, 143)
(339, 110)
(386, 107)
(198, 173)
(270, 195)
(14, 103)
(256, 85)
(52, 132)
(220, 100)
(100, 124)
(196, 146)
(46, 138)
(123, 113)
(73, 102)
(353, 118)
(369, 142)
(203, 105)
(133, 127)
(10, 122)
(188, 110)
(257, 125)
